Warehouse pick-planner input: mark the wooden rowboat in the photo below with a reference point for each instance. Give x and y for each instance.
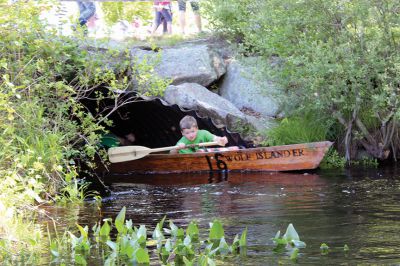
(277, 158)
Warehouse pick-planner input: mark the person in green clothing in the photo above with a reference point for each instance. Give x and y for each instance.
(192, 135)
(109, 140)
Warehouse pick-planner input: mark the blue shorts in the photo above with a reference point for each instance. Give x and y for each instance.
(163, 14)
(182, 6)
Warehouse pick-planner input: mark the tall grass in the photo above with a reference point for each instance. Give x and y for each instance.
(298, 129)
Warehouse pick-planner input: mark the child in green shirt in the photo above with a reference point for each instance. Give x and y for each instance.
(192, 135)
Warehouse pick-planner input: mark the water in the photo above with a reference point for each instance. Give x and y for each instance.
(359, 208)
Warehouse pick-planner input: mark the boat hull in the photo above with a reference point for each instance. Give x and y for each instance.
(277, 158)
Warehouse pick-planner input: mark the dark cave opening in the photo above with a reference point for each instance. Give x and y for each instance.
(154, 123)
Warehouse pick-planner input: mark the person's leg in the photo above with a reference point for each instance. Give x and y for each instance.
(165, 25)
(182, 14)
(157, 21)
(196, 11)
(166, 13)
(165, 22)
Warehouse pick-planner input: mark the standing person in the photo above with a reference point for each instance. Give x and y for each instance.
(182, 14)
(163, 14)
(86, 11)
(192, 135)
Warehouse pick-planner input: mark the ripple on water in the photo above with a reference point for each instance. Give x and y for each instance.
(328, 207)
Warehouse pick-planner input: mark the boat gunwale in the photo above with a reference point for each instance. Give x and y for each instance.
(309, 145)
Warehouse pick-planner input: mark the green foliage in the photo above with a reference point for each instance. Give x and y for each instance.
(324, 249)
(366, 161)
(332, 159)
(115, 11)
(229, 16)
(132, 246)
(216, 230)
(298, 129)
(289, 241)
(47, 133)
(338, 58)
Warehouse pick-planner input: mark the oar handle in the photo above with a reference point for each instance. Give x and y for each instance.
(204, 144)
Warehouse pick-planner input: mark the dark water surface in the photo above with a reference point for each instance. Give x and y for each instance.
(356, 207)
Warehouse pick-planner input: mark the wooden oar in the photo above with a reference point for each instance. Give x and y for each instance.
(129, 153)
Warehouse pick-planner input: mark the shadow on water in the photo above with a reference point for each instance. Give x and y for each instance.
(356, 207)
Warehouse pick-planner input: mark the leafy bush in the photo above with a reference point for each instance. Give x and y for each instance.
(339, 58)
(46, 131)
(333, 160)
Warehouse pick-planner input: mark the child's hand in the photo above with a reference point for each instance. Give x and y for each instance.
(181, 145)
(222, 141)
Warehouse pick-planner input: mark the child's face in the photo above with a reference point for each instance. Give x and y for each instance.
(190, 133)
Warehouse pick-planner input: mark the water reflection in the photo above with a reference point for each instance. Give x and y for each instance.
(354, 207)
(336, 208)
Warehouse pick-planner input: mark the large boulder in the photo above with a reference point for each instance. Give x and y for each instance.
(223, 113)
(243, 86)
(186, 63)
(193, 96)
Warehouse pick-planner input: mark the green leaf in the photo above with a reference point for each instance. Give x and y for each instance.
(280, 241)
(291, 233)
(192, 229)
(105, 229)
(120, 221)
(112, 245)
(174, 229)
(243, 238)
(168, 245)
(346, 247)
(128, 225)
(278, 234)
(223, 247)
(84, 231)
(180, 233)
(324, 246)
(54, 253)
(188, 262)
(80, 260)
(142, 232)
(294, 254)
(324, 249)
(216, 231)
(157, 233)
(142, 256)
(210, 262)
(187, 241)
(235, 244)
(298, 244)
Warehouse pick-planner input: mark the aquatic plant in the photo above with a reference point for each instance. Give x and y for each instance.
(289, 239)
(324, 249)
(131, 245)
(290, 242)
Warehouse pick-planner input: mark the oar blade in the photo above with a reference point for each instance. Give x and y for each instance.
(127, 153)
